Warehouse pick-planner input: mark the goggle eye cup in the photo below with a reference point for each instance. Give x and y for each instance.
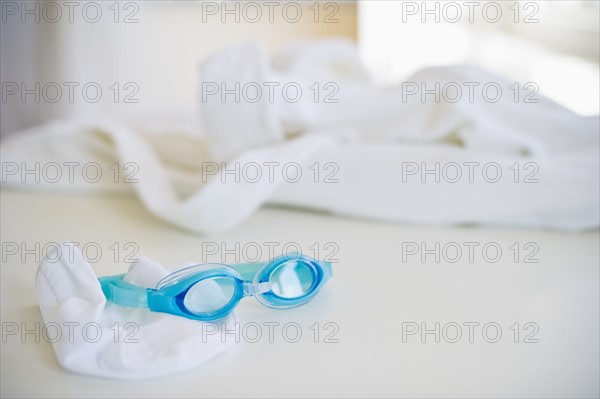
(210, 295)
(294, 281)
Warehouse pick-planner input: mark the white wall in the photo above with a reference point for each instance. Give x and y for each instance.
(160, 53)
(553, 43)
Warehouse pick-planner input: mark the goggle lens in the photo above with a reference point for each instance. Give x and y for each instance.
(292, 279)
(209, 295)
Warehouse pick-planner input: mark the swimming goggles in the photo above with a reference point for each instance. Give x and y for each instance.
(210, 291)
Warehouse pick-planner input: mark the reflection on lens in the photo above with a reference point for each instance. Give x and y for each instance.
(292, 279)
(209, 295)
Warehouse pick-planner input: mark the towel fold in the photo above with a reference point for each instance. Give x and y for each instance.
(451, 145)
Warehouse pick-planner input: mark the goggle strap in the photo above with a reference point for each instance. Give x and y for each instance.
(248, 270)
(123, 293)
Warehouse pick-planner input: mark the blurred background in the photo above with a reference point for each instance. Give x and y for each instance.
(152, 50)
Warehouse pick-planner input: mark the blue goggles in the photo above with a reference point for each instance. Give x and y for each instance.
(211, 291)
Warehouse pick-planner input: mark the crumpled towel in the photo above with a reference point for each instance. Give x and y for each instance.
(368, 139)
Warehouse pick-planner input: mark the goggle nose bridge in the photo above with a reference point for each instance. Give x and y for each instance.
(251, 289)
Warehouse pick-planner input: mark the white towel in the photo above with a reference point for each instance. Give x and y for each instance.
(371, 141)
(107, 340)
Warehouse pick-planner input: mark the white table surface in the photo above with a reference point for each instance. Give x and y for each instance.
(372, 293)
